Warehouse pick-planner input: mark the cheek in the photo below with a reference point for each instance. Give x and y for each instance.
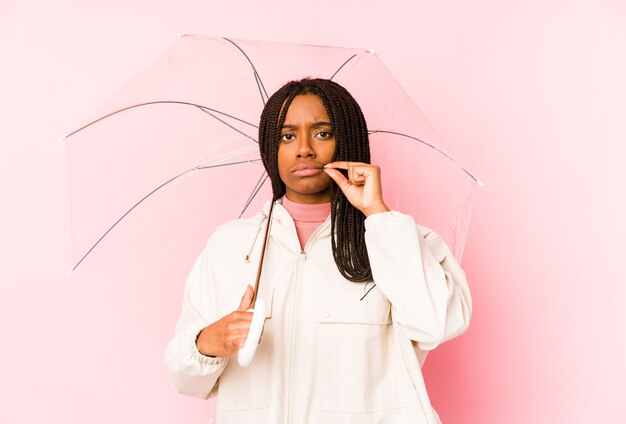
(330, 151)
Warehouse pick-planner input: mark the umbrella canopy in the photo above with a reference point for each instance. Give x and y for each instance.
(186, 128)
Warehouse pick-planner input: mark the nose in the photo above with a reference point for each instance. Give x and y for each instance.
(305, 150)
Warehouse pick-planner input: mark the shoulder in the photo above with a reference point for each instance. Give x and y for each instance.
(427, 234)
(436, 244)
(396, 219)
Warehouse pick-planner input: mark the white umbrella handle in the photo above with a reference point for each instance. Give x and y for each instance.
(246, 353)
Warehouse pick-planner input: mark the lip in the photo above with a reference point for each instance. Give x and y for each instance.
(306, 170)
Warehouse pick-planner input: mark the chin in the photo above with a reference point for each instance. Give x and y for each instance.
(311, 191)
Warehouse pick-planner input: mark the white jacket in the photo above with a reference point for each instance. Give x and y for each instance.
(325, 356)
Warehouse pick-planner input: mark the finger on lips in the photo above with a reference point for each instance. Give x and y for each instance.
(339, 165)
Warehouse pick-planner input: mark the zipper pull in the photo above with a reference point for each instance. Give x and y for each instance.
(303, 255)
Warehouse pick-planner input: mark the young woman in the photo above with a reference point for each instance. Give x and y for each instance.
(356, 294)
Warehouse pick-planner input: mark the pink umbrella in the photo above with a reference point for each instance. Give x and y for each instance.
(183, 134)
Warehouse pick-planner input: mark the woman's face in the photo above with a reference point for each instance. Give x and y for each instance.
(307, 143)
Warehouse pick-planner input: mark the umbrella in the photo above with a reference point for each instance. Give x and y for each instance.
(193, 112)
(182, 135)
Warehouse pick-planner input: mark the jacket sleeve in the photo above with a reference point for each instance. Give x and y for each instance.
(189, 371)
(414, 268)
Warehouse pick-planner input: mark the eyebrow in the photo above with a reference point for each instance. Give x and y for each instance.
(314, 125)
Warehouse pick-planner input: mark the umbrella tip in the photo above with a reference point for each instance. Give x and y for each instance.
(371, 51)
(69, 272)
(181, 34)
(61, 138)
(479, 182)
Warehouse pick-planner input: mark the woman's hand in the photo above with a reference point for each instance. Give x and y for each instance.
(227, 335)
(362, 188)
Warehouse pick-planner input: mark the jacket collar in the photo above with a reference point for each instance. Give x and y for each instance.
(285, 221)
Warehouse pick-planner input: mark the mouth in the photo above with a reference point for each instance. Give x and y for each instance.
(306, 171)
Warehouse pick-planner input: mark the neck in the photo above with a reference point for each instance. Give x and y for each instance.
(308, 212)
(306, 217)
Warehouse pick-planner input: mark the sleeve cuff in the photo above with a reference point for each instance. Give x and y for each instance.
(198, 356)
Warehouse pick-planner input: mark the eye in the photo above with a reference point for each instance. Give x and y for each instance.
(287, 137)
(325, 135)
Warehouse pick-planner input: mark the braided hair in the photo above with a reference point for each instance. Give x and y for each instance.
(352, 144)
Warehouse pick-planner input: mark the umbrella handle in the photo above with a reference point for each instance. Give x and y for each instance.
(246, 353)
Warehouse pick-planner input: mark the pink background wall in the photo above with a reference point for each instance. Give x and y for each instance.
(532, 96)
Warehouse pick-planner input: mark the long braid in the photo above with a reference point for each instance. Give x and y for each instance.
(352, 144)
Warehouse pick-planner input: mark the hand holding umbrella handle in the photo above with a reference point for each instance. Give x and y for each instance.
(246, 353)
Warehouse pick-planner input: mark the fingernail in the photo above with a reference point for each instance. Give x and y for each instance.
(326, 166)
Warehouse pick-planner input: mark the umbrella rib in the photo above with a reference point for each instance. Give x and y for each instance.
(344, 64)
(200, 167)
(255, 191)
(201, 107)
(228, 125)
(479, 182)
(219, 165)
(259, 85)
(257, 77)
(250, 197)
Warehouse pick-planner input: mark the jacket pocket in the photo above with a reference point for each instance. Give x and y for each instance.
(249, 388)
(357, 357)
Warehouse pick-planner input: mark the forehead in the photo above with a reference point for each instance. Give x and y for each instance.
(306, 108)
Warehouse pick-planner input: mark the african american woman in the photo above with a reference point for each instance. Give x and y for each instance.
(356, 295)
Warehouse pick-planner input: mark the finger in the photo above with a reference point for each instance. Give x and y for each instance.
(246, 300)
(239, 338)
(240, 316)
(350, 172)
(238, 326)
(338, 177)
(237, 335)
(342, 164)
(236, 344)
(357, 173)
(359, 178)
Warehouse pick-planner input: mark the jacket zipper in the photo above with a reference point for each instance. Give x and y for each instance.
(295, 322)
(294, 337)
